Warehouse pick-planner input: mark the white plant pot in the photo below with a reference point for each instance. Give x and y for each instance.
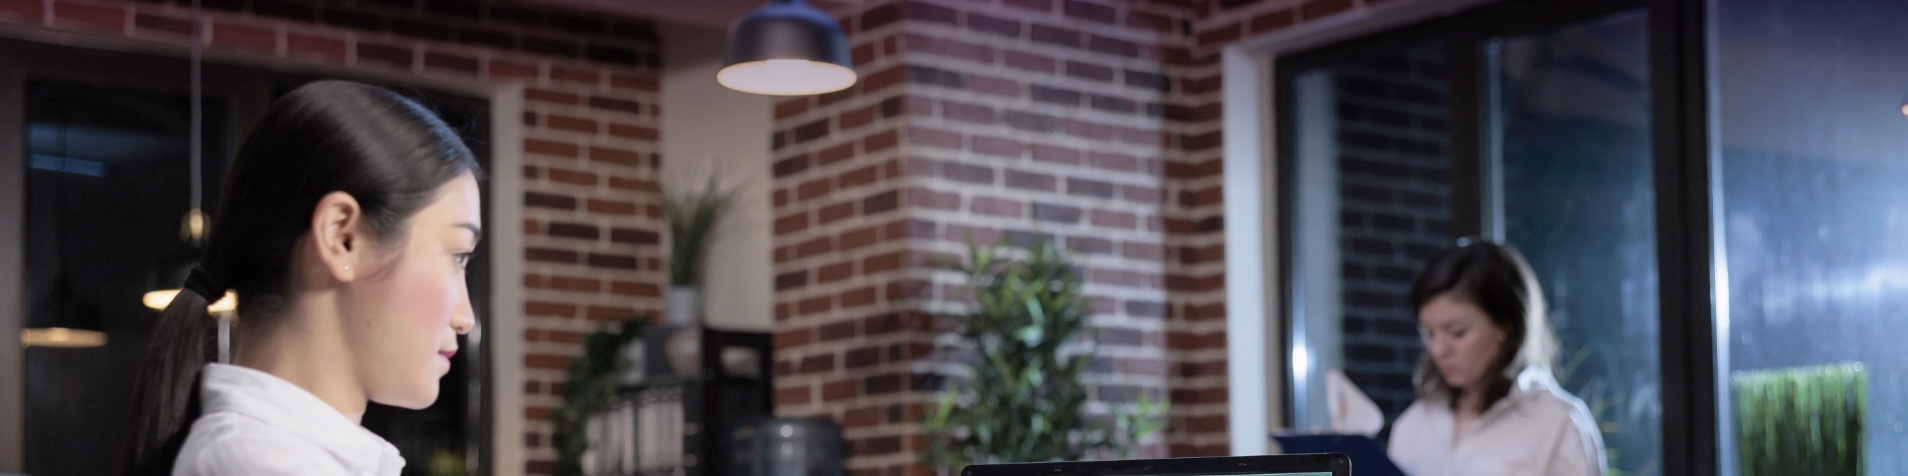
(683, 307)
(682, 310)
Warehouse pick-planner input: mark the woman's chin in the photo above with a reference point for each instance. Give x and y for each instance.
(417, 399)
(1458, 383)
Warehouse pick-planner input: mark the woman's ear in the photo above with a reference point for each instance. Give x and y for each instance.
(335, 232)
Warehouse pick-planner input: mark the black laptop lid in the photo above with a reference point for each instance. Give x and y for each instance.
(1280, 465)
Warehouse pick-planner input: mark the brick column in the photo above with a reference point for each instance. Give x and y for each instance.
(1020, 120)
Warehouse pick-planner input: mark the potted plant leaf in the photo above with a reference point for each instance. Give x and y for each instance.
(589, 389)
(1021, 399)
(693, 217)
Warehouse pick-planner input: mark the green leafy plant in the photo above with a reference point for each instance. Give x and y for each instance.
(1806, 420)
(1606, 403)
(446, 463)
(1023, 400)
(589, 389)
(692, 216)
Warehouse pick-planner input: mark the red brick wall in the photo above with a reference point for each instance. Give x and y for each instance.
(850, 331)
(590, 141)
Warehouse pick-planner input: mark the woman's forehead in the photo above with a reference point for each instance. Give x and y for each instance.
(456, 206)
(1450, 309)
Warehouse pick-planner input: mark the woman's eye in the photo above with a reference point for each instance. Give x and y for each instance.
(463, 260)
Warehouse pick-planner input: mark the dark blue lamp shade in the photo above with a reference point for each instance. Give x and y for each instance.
(799, 447)
(787, 48)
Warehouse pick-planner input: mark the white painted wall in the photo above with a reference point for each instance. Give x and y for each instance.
(707, 128)
(505, 331)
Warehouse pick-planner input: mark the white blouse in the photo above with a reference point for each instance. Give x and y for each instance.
(1536, 429)
(255, 423)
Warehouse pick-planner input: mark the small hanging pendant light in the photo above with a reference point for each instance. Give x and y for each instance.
(62, 337)
(787, 48)
(79, 323)
(195, 224)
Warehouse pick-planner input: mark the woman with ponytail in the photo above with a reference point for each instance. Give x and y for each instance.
(348, 217)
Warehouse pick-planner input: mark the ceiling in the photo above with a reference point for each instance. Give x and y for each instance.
(704, 13)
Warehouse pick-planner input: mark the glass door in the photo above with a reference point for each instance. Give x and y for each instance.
(1567, 180)
(1524, 123)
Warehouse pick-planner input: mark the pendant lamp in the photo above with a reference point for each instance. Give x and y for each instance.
(787, 48)
(85, 331)
(193, 227)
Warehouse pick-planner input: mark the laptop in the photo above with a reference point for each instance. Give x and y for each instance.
(1330, 464)
(1362, 450)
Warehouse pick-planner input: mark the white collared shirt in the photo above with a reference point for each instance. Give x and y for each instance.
(1537, 429)
(255, 423)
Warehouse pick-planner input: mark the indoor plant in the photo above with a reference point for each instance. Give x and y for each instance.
(692, 216)
(590, 388)
(1022, 400)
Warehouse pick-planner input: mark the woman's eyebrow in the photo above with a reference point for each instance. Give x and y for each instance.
(476, 232)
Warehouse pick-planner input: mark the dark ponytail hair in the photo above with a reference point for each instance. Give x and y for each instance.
(389, 153)
(1496, 279)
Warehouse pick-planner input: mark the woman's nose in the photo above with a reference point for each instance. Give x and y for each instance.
(463, 325)
(466, 318)
(465, 321)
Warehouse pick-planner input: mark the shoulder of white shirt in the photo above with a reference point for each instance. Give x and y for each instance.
(256, 421)
(1538, 384)
(228, 443)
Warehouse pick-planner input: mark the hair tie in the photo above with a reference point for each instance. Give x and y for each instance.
(201, 282)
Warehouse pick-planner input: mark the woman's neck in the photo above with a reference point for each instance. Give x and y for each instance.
(306, 350)
(1470, 400)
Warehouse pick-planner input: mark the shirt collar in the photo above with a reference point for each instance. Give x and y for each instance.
(1531, 383)
(283, 405)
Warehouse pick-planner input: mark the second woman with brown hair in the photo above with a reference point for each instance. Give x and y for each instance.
(1487, 402)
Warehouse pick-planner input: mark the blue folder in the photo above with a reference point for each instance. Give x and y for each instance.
(1367, 458)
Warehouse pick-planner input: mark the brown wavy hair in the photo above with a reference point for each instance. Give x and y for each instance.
(1497, 279)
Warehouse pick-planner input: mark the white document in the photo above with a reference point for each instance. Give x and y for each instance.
(1351, 411)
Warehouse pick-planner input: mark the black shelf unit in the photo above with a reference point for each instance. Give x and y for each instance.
(730, 390)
